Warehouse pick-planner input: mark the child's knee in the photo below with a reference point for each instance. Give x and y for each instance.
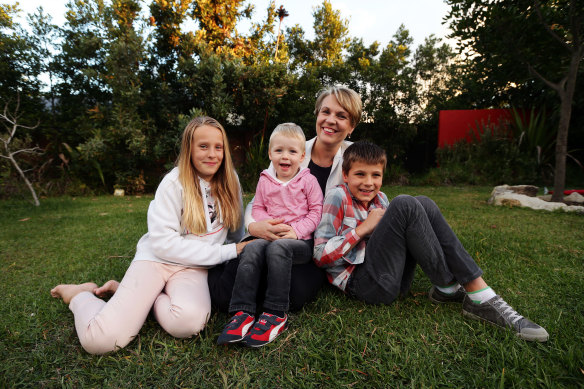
(189, 322)
(426, 202)
(104, 344)
(404, 203)
(277, 248)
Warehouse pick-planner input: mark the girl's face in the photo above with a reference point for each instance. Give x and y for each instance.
(333, 122)
(207, 151)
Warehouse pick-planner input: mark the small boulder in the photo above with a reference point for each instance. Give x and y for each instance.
(528, 190)
(574, 198)
(504, 195)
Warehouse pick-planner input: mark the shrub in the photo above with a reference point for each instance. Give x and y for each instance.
(256, 160)
(492, 157)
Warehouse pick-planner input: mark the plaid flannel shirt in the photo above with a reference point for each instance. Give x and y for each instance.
(335, 234)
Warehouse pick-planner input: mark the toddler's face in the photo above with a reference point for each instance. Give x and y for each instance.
(364, 181)
(286, 155)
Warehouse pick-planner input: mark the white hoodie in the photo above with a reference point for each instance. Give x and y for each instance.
(167, 241)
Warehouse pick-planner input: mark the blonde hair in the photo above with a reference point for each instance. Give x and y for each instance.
(347, 98)
(289, 130)
(224, 184)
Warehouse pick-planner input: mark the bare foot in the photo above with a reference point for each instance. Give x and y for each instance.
(107, 289)
(68, 291)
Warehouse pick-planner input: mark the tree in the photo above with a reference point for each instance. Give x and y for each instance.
(331, 39)
(391, 97)
(44, 40)
(514, 42)
(281, 13)
(331, 34)
(80, 68)
(19, 62)
(217, 20)
(10, 120)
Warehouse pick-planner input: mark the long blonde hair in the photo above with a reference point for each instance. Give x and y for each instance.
(224, 184)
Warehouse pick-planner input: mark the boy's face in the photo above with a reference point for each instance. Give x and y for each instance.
(286, 154)
(364, 180)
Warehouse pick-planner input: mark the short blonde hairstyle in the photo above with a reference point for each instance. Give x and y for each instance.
(347, 98)
(289, 130)
(224, 184)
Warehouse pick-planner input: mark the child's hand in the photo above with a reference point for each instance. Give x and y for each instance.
(239, 246)
(366, 228)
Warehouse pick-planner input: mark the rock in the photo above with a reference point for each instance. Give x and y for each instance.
(504, 195)
(511, 202)
(528, 190)
(574, 197)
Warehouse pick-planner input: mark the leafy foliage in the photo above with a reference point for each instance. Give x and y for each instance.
(492, 157)
(520, 47)
(121, 73)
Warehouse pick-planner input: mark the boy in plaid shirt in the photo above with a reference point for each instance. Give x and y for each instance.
(370, 247)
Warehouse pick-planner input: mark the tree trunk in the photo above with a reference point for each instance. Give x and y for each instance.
(566, 98)
(26, 181)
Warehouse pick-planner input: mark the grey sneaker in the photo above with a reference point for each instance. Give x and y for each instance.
(497, 312)
(442, 298)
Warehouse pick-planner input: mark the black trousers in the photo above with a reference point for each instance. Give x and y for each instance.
(305, 282)
(412, 231)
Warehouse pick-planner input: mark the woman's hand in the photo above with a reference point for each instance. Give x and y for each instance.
(290, 234)
(268, 229)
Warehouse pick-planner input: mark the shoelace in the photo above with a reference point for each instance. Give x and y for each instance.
(507, 311)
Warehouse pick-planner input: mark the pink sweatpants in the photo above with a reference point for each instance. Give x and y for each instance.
(178, 295)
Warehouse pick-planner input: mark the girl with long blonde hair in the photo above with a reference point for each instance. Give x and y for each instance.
(194, 223)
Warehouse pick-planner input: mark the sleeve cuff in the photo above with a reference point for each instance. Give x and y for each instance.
(228, 251)
(354, 237)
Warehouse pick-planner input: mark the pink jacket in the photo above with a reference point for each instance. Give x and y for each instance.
(298, 201)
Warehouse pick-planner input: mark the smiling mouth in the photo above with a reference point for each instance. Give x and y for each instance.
(285, 165)
(329, 131)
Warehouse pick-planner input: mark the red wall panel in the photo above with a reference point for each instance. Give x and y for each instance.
(455, 125)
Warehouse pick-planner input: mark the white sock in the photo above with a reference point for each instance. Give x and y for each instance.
(480, 296)
(449, 289)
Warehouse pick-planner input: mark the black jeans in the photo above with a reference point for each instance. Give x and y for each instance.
(411, 231)
(306, 279)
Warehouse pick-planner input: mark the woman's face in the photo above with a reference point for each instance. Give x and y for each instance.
(333, 122)
(207, 151)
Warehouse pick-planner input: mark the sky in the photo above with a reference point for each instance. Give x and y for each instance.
(372, 20)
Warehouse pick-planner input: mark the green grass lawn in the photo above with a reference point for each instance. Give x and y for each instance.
(534, 259)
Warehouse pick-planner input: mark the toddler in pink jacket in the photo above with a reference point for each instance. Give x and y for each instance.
(289, 193)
